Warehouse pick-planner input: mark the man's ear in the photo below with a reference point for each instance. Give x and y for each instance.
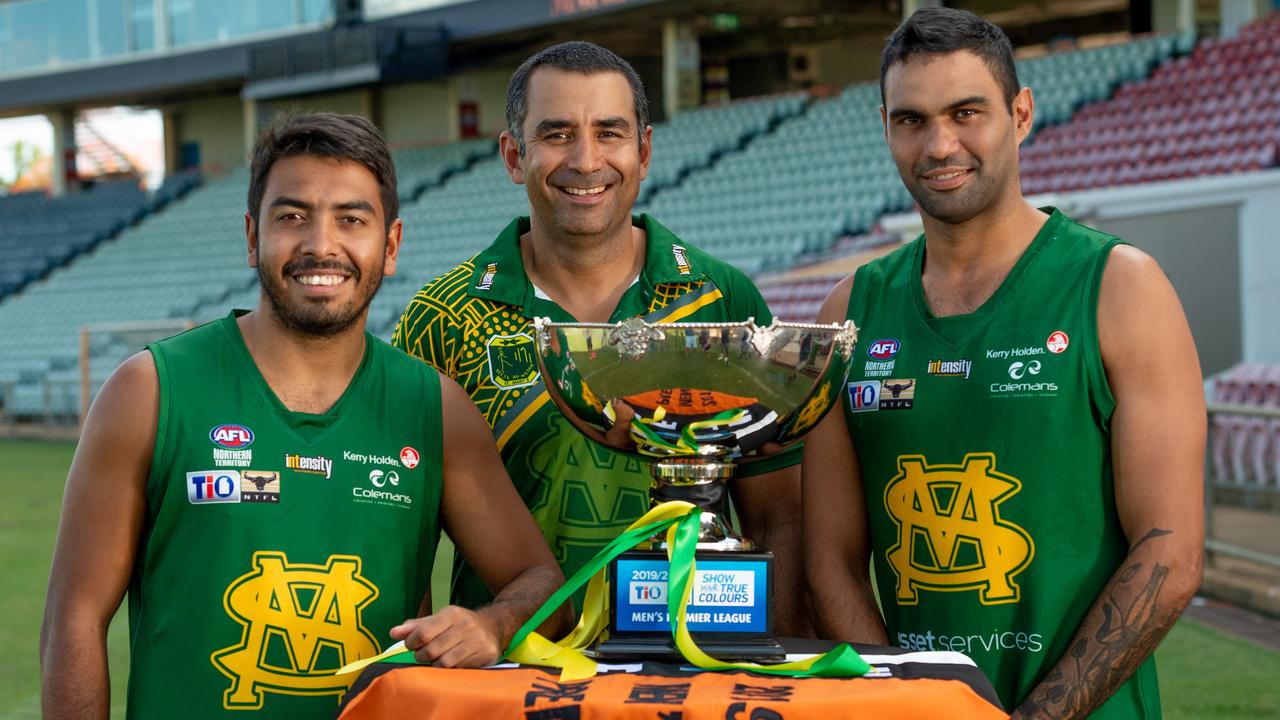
(509, 150)
(251, 237)
(394, 237)
(646, 150)
(1024, 114)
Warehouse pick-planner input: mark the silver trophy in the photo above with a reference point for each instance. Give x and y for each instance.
(694, 400)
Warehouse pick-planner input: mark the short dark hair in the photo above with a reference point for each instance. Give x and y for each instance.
(941, 31)
(575, 56)
(328, 135)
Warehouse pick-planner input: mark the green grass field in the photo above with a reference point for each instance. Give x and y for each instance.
(1202, 674)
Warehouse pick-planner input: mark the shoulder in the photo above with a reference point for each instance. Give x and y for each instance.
(127, 406)
(398, 363)
(446, 292)
(1138, 309)
(439, 307)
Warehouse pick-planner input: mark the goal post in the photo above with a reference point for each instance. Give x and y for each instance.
(116, 341)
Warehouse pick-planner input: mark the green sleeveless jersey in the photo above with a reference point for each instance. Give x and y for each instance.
(278, 546)
(474, 323)
(984, 446)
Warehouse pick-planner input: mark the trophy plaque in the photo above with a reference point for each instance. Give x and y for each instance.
(694, 400)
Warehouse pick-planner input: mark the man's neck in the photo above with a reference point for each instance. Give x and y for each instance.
(586, 276)
(307, 373)
(965, 263)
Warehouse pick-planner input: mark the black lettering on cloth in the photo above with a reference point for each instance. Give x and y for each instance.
(776, 693)
(554, 692)
(733, 712)
(659, 694)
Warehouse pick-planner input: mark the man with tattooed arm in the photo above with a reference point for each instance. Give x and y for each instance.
(1030, 491)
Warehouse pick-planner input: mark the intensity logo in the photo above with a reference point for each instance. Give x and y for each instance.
(682, 260)
(308, 616)
(486, 280)
(950, 533)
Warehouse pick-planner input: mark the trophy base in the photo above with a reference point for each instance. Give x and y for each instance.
(659, 650)
(729, 613)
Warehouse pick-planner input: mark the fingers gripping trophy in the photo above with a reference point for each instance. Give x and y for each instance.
(694, 400)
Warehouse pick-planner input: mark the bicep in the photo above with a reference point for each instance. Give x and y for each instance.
(104, 504)
(1158, 427)
(480, 509)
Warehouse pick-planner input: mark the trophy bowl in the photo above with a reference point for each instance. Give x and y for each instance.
(694, 399)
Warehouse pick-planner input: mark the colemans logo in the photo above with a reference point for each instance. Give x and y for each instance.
(511, 361)
(950, 533)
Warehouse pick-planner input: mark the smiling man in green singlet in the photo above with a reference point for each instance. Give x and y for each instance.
(1021, 450)
(270, 487)
(579, 140)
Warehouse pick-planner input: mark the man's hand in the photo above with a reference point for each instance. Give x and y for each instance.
(453, 637)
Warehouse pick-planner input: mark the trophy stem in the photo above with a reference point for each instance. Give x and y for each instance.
(702, 483)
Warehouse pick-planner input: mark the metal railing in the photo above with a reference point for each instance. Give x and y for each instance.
(1242, 470)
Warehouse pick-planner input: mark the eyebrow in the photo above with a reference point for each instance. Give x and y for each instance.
(612, 123)
(304, 205)
(963, 102)
(284, 201)
(355, 205)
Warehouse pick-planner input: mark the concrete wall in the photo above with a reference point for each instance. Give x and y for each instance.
(1199, 250)
(217, 125)
(1202, 227)
(418, 113)
(487, 88)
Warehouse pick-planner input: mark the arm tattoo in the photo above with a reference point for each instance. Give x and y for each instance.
(1122, 628)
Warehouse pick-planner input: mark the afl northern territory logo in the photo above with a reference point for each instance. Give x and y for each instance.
(511, 361)
(950, 533)
(231, 436)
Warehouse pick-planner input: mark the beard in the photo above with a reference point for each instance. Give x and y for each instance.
(319, 318)
(955, 206)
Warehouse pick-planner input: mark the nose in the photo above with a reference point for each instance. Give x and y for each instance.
(942, 141)
(321, 238)
(585, 156)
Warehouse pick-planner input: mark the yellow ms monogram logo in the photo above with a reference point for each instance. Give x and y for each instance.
(301, 624)
(950, 534)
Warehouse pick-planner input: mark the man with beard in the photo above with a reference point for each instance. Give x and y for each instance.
(579, 140)
(270, 487)
(1033, 498)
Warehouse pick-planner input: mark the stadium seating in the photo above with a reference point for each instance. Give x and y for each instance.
(826, 173)
(760, 183)
(1245, 450)
(38, 234)
(421, 168)
(154, 270)
(1214, 111)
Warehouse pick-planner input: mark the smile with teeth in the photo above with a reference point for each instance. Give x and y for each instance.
(320, 279)
(947, 176)
(584, 191)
